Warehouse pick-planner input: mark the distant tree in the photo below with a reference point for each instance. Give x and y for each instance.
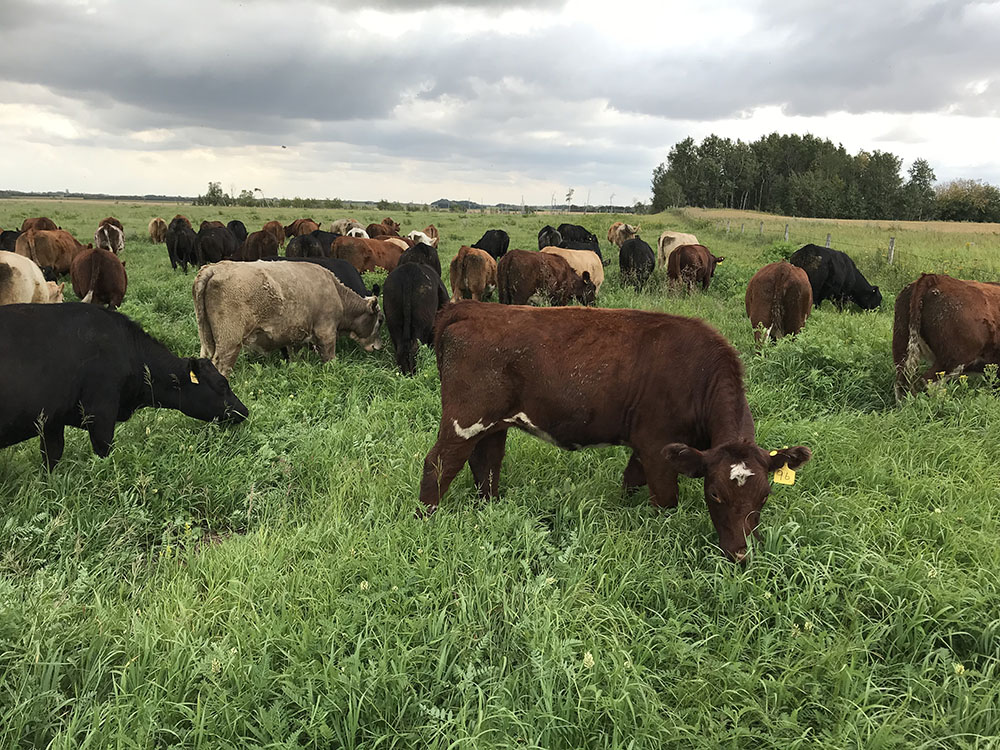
(968, 200)
(213, 196)
(918, 192)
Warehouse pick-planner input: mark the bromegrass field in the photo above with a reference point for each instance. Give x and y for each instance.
(269, 586)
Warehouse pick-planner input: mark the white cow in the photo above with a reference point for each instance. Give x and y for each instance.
(670, 241)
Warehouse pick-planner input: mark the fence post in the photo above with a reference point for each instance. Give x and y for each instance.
(761, 232)
(892, 249)
(786, 233)
(727, 226)
(828, 239)
(741, 227)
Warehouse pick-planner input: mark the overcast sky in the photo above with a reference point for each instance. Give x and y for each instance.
(415, 100)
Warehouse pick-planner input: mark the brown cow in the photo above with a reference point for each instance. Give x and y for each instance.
(355, 251)
(673, 392)
(522, 274)
(43, 223)
(157, 230)
(54, 249)
(620, 232)
(113, 221)
(581, 261)
(99, 276)
(258, 245)
(110, 237)
(473, 274)
(384, 254)
(431, 231)
(275, 228)
(184, 219)
(952, 323)
(380, 230)
(391, 225)
(692, 264)
(301, 226)
(778, 300)
(211, 225)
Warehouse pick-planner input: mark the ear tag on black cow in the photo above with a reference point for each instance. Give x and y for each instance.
(194, 378)
(784, 475)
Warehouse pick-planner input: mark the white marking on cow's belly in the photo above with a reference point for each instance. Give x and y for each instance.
(524, 422)
(467, 433)
(739, 473)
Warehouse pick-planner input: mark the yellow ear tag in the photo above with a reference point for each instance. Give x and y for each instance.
(194, 378)
(784, 475)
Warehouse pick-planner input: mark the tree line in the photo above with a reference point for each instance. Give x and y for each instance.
(802, 175)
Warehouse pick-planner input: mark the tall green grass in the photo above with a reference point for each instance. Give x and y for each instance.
(269, 586)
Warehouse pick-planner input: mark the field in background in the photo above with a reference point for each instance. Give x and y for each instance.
(268, 585)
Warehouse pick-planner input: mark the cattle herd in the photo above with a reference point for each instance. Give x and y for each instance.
(673, 393)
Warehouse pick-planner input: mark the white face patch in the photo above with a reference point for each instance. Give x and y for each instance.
(739, 473)
(467, 433)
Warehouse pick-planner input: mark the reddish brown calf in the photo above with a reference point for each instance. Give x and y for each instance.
(672, 391)
(778, 300)
(692, 264)
(521, 274)
(99, 277)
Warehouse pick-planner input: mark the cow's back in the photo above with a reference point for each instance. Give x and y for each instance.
(671, 240)
(20, 280)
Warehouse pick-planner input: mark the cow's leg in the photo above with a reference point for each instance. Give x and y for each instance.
(635, 475)
(662, 481)
(225, 358)
(485, 463)
(52, 441)
(102, 432)
(442, 465)
(326, 343)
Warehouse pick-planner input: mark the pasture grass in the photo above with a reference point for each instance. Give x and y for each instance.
(269, 586)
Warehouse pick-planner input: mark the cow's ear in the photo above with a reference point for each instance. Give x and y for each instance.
(375, 290)
(685, 459)
(61, 287)
(193, 367)
(793, 457)
(719, 260)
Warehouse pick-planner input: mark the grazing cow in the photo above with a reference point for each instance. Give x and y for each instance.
(181, 243)
(417, 236)
(581, 261)
(346, 273)
(22, 281)
(548, 236)
(620, 233)
(355, 251)
(431, 231)
(384, 254)
(590, 246)
(210, 225)
(269, 306)
(305, 246)
(692, 264)
(636, 260)
(43, 223)
(953, 324)
(301, 226)
(109, 237)
(833, 276)
(473, 274)
(276, 229)
(99, 277)
(96, 368)
(670, 241)
(380, 230)
(157, 230)
(326, 240)
(50, 249)
(113, 222)
(778, 300)
(343, 226)
(258, 245)
(673, 392)
(522, 274)
(8, 239)
(412, 295)
(422, 253)
(576, 233)
(495, 242)
(239, 230)
(215, 244)
(391, 225)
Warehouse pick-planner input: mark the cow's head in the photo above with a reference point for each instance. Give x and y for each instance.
(868, 299)
(53, 291)
(736, 485)
(584, 290)
(203, 393)
(366, 328)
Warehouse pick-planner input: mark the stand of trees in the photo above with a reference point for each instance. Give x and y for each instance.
(809, 176)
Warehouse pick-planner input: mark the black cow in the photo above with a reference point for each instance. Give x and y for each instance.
(325, 241)
(422, 253)
(83, 366)
(593, 246)
(495, 242)
(305, 246)
(8, 239)
(346, 273)
(411, 297)
(239, 230)
(182, 244)
(214, 244)
(548, 236)
(833, 276)
(636, 261)
(576, 233)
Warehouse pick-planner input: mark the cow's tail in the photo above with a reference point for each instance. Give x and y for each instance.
(908, 359)
(776, 329)
(95, 273)
(200, 293)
